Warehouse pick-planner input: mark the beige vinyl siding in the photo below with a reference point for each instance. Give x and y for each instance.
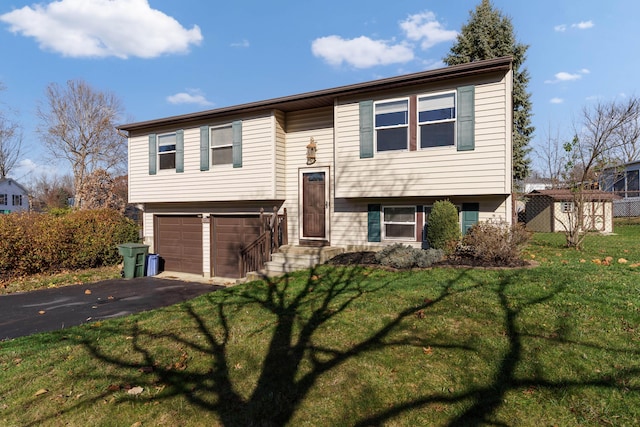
(438, 171)
(301, 126)
(281, 163)
(253, 181)
(350, 217)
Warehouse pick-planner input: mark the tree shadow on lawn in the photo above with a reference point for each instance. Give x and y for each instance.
(293, 361)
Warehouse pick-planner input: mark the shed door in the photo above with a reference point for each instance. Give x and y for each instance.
(179, 243)
(230, 235)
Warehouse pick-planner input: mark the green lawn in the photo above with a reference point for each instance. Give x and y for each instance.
(557, 344)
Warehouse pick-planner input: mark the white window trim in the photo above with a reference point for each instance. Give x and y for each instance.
(567, 207)
(212, 148)
(384, 223)
(175, 152)
(375, 128)
(454, 120)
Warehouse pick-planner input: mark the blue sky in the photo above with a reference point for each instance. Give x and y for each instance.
(168, 57)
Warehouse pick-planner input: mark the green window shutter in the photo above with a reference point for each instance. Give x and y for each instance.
(366, 129)
(470, 214)
(179, 151)
(153, 154)
(466, 118)
(204, 148)
(373, 223)
(237, 143)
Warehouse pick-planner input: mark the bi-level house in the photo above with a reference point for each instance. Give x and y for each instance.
(351, 167)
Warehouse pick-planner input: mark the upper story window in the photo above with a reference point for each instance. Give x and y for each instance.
(399, 222)
(221, 145)
(3, 199)
(392, 125)
(17, 200)
(437, 120)
(167, 151)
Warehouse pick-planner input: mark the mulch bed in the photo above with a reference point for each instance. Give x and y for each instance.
(367, 258)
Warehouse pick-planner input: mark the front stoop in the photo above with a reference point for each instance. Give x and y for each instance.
(294, 258)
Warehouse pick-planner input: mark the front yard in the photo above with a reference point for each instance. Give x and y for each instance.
(558, 344)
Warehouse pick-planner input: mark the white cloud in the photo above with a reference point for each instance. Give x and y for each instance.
(191, 96)
(102, 28)
(556, 100)
(424, 27)
(563, 76)
(27, 170)
(360, 52)
(243, 43)
(584, 25)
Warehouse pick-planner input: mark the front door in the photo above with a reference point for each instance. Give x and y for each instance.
(315, 205)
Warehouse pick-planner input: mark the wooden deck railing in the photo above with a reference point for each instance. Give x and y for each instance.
(273, 234)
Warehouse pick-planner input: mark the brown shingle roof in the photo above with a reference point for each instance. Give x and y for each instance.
(564, 194)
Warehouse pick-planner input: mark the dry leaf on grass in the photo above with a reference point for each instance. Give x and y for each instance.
(41, 392)
(135, 391)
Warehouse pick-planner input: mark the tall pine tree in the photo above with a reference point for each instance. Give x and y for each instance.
(489, 34)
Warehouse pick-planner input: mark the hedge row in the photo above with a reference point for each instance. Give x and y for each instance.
(35, 243)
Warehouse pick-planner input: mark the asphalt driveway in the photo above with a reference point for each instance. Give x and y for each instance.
(47, 310)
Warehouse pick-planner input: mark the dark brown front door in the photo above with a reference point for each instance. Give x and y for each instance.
(314, 205)
(179, 243)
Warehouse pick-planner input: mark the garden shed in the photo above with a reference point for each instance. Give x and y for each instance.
(555, 209)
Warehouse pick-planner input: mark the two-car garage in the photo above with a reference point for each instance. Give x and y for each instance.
(179, 242)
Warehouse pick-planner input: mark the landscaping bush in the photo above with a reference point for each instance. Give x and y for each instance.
(400, 256)
(496, 242)
(443, 229)
(34, 243)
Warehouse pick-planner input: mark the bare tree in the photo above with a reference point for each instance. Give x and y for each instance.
(553, 157)
(78, 125)
(628, 135)
(592, 150)
(51, 192)
(10, 143)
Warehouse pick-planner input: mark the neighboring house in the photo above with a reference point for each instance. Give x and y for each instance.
(555, 210)
(13, 197)
(354, 167)
(624, 181)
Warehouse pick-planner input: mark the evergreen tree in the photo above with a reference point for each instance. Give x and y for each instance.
(489, 34)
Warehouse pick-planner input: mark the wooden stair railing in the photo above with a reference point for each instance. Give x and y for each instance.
(273, 234)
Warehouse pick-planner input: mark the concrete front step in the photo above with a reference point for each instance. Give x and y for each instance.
(294, 258)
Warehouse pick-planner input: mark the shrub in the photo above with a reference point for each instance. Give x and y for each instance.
(496, 242)
(400, 256)
(35, 243)
(443, 229)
